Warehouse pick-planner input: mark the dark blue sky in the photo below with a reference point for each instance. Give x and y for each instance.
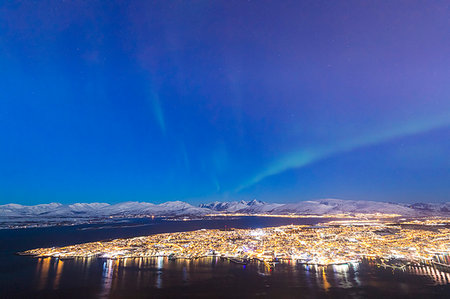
(222, 100)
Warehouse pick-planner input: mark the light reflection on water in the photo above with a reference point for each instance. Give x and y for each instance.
(341, 274)
(43, 267)
(439, 277)
(326, 284)
(160, 263)
(59, 268)
(110, 276)
(107, 276)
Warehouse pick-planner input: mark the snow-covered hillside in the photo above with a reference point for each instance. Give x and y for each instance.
(250, 207)
(330, 206)
(254, 206)
(338, 206)
(179, 208)
(174, 208)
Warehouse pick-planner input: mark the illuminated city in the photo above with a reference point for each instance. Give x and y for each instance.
(323, 244)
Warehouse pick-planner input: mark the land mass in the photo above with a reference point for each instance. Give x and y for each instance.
(325, 244)
(18, 216)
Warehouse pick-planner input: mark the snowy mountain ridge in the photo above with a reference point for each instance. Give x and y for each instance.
(131, 208)
(179, 208)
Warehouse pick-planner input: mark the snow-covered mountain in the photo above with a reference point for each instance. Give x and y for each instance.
(250, 207)
(174, 208)
(170, 208)
(179, 208)
(339, 206)
(431, 208)
(330, 206)
(231, 206)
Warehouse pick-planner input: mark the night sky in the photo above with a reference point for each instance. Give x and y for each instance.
(283, 101)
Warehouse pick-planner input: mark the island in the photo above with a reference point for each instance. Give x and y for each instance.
(336, 242)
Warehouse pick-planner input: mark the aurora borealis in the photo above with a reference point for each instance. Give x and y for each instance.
(224, 100)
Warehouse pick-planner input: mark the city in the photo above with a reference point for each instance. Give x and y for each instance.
(332, 243)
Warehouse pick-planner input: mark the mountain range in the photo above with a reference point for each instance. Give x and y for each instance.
(179, 208)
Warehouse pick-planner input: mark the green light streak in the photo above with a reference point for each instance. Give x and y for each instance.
(305, 157)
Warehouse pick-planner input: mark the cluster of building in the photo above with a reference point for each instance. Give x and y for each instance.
(320, 245)
(340, 216)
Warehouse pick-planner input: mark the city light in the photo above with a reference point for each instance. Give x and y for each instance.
(327, 244)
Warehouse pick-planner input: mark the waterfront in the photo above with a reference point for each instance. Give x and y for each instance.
(27, 277)
(317, 245)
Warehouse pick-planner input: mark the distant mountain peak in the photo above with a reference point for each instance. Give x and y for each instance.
(255, 202)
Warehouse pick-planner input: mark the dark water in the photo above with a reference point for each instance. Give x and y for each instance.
(26, 277)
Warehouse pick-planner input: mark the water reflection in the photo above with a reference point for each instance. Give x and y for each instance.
(107, 276)
(59, 269)
(160, 263)
(185, 275)
(43, 272)
(326, 284)
(355, 268)
(110, 276)
(341, 273)
(86, 266)
(439, 277)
